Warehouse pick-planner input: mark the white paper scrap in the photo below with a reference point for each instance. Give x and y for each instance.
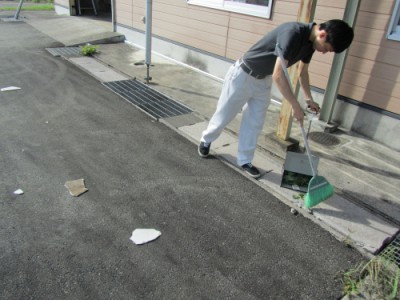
(142, 236)
(10, 88)
(18, 192)
(295, 187)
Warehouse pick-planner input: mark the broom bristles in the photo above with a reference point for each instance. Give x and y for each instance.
(319, 189)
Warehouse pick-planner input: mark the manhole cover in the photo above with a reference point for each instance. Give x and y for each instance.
(324, 138)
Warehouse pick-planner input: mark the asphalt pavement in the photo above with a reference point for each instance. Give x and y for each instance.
(365, 209)
(223, 237)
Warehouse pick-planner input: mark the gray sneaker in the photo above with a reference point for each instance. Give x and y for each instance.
(251, 170)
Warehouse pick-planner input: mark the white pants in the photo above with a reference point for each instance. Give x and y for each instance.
(240, 90)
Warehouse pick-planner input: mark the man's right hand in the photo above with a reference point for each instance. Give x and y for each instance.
(298, 114)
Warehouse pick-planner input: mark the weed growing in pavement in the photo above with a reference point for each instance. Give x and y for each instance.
(350, 280)
(299, 196)
(88, 50)
(377, 278)
(347, 240)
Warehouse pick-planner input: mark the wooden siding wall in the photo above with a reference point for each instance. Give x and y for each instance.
(372, 70)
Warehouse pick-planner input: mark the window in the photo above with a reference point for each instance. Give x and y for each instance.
(259, 8)
(394, 27)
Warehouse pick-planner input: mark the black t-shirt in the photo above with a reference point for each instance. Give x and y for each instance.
(293, 39)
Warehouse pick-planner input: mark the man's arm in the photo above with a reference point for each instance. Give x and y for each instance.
(304, 80)
(284, 87)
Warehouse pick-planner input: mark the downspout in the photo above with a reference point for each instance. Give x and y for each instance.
(335, 76)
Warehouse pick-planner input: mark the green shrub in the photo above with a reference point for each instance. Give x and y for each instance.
(88, 50)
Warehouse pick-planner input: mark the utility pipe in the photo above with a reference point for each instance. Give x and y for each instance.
(149, 8)
(16, 16)
(339, 60)
(114, 22)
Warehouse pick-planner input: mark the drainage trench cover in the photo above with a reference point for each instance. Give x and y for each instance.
(392, 251)
(147, 99)
(65, 51)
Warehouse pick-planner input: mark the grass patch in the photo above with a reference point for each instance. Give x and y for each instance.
(47, 6)
(378, 278)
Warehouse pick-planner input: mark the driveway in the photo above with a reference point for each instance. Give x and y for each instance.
(223, 237)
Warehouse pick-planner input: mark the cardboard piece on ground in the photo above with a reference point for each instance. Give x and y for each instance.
(10, 88)
(142, 236)
(76, 187)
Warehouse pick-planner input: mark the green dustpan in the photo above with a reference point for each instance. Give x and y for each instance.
(319, 189)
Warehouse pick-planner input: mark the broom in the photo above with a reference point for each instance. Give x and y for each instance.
(319, 189)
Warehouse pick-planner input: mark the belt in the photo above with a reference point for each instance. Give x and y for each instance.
(250, 71)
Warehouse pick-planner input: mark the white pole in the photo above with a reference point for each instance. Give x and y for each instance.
(16, 16)
(149, 9)
(113, 20)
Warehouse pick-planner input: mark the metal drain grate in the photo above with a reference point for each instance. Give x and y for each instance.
(147, 99)
(392, 251)
(65, 51)
(323, 138)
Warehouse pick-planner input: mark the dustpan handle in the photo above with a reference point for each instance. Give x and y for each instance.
(284, 68)
(308, 151)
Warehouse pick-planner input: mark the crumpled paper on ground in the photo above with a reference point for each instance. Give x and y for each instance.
(142, 236)
(76, 187)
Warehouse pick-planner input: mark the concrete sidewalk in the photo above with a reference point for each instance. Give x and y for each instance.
(365, 210)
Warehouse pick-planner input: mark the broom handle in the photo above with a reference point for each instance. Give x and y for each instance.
(285, 71)
(314, 173)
